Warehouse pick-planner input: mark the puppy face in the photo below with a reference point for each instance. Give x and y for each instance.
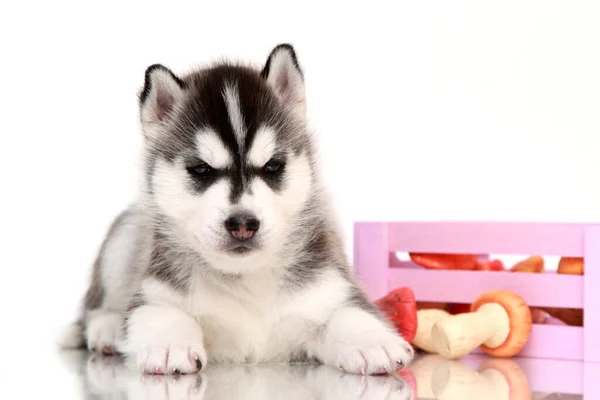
(229, 161)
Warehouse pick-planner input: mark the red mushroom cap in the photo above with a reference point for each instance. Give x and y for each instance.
(400, 307)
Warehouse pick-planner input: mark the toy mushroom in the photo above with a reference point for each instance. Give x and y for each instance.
(571, 265)
(500, 322)
(426, 319)
(533, 264)
(400, 307)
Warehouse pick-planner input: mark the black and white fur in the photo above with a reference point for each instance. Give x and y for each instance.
(173, 289)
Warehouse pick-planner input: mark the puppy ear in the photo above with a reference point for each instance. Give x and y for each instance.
(282, 71)
(163, 91)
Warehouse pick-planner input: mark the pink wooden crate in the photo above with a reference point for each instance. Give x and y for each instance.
(375, 242)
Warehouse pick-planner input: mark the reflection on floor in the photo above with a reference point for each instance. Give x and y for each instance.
(109, 378)
(429, 377)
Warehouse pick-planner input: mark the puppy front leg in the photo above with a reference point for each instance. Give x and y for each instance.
(102, 329)
(358, 342)
(164, 340)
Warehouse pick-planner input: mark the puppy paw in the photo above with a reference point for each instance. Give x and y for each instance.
(173, 359)
(165, 340)
(102, 331)
(382, 353)
(358, 342)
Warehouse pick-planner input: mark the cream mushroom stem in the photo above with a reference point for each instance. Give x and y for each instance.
(426, 319)
(456, 336)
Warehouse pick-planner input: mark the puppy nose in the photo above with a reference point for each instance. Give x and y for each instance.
(241, 227)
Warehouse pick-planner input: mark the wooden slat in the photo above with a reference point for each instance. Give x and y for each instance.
(484, 238)
(547, 289)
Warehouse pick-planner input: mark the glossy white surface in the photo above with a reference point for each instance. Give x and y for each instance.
(80, 375)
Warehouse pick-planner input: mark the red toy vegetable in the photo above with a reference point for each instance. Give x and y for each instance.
(445, 261)
(493, 265)
(400, 307)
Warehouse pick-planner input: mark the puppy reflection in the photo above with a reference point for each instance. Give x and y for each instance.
(109, 378)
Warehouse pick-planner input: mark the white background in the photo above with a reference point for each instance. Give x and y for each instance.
(425, 111)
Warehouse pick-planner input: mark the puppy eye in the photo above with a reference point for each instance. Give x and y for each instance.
(201, 170)
(273, 167)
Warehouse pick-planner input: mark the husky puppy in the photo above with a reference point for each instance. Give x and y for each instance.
(231, 254)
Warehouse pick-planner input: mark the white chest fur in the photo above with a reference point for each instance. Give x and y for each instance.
(254, 319)
(236, 316)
